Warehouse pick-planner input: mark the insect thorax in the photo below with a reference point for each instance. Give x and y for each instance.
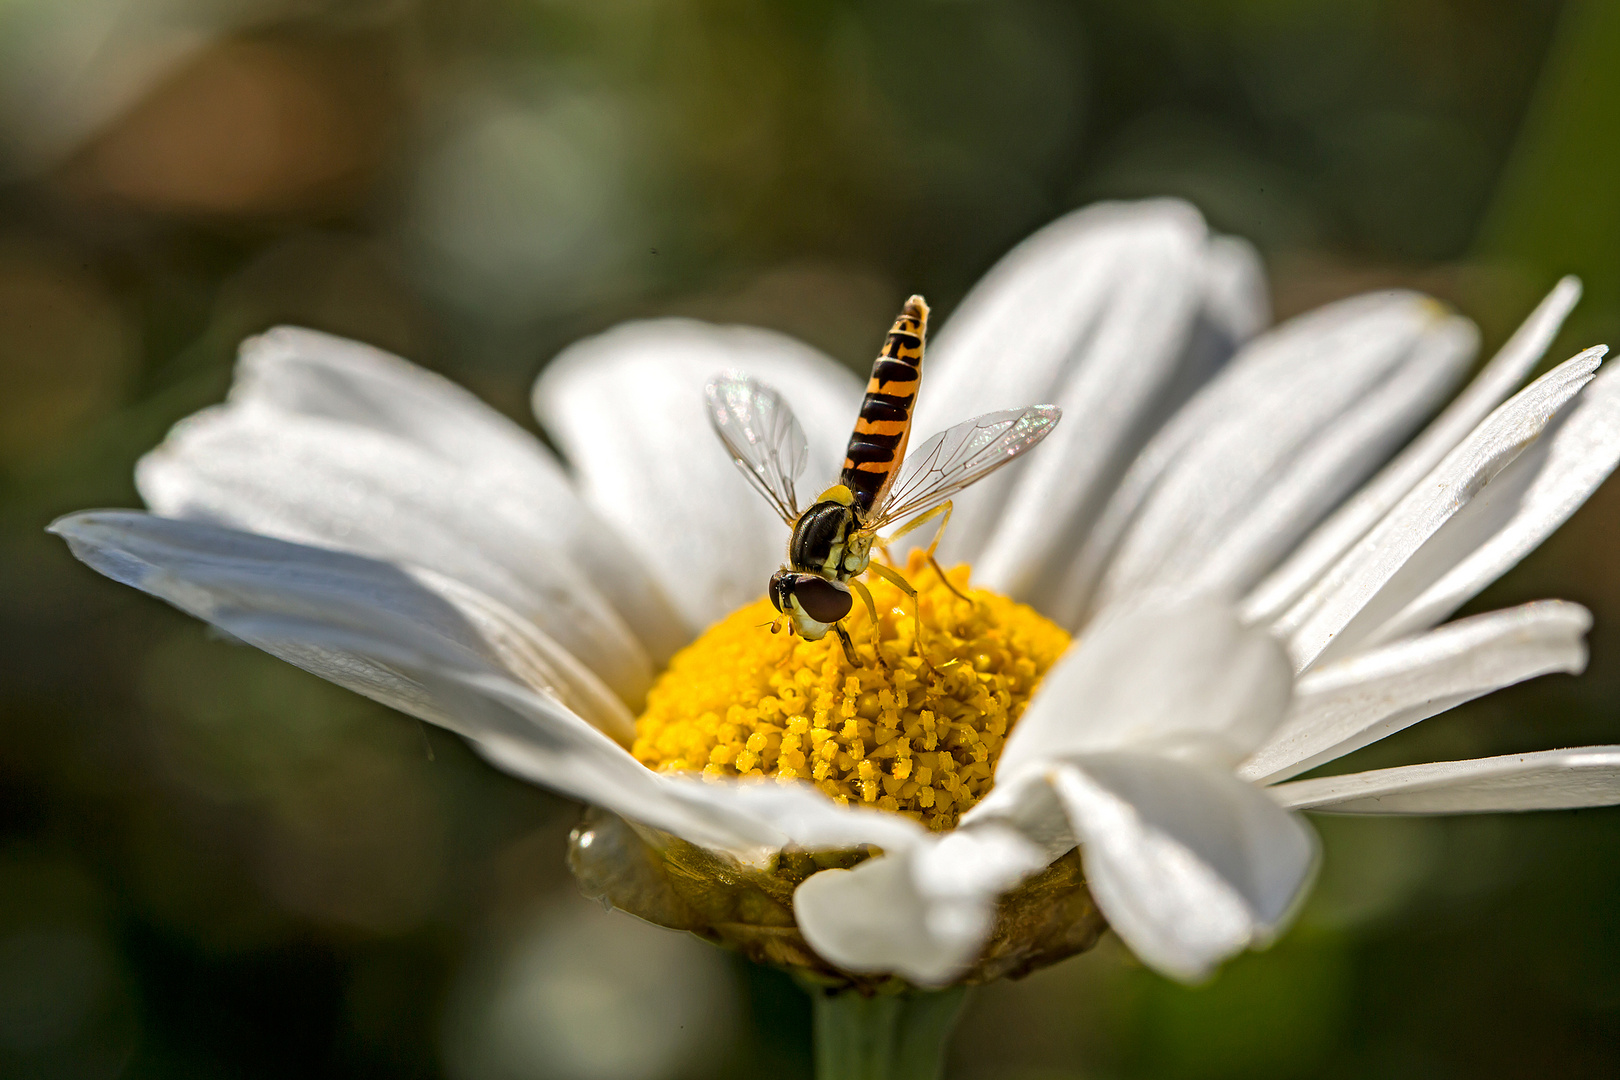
(827, 541)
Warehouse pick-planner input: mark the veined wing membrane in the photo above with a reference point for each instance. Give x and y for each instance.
(958, 456)
(762, 435)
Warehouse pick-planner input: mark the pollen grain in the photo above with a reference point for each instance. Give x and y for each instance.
(915, 738)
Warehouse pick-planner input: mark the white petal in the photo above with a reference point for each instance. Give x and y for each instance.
(308, 373)
(1187, 679)
(627, 408)
(227, 577)
(1351, 589)
(1027, 804)
(1515, 512)
(1096, 314)
(805, 816)
(1546, 780)
(534, 737)
(336, 485)
(1298, 418)
(1188, 864)
(305, 373)
(1343, 706)
(1236, 298)
(526, 735)
(1253, 537)
(1351, 521)
(456, 660)
(923, 913)
(1014, 340)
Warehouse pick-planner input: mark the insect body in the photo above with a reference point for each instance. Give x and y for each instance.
(879, 485)
(829, 545)
(878, 444)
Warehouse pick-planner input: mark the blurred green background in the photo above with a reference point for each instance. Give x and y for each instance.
(212, 864)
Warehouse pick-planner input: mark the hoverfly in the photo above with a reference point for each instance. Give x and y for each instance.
(831, 542)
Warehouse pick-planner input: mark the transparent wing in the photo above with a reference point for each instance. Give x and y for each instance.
(958, 456)
(762, 435)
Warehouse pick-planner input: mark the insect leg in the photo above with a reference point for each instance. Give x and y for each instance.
(894, 578)
(871, 607)
(849, 646)
(918, 522)
(945, 509)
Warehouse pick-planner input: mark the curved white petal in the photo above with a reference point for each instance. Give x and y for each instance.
(923, 913)
(1027, 804)
(227, 577)
(1188, 864)
(1343, 706)
(1545, 780)
(375, 629)
(1237, 300)
(458, 660)
(1499, 378)
(1017, 337)
(627, 408)
(748, 821)
(308, 373)
(1188, 679)
(1299, 417)
(1351, 589)
(1097, 314)
(532, 736)
(305, 373)
(1261, 365)
(1506, 521)
(1321, 469)
(529, 736)
(337, 485)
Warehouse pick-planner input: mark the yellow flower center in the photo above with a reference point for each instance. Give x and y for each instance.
(915, 734)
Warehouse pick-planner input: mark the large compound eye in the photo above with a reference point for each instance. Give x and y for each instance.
(821, 599)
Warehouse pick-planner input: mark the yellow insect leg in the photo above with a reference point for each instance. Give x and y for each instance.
(945, 509)
(871, 607)
(894, 578)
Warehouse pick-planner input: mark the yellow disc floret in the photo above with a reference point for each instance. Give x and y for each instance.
(918, 734)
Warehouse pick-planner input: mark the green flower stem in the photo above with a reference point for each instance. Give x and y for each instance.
(884, 1036)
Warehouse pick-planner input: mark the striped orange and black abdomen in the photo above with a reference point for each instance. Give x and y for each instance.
(878, 445)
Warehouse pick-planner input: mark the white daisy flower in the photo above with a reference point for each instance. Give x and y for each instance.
(1253, 553)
